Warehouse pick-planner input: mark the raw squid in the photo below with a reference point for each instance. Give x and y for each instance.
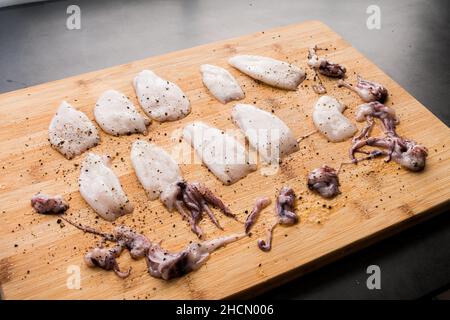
(285, 207)
(161, 178)
(167, 265)
(266, 133)
(368, 91)
(405, 152)
(161, 100)
(191, 200)
(105, 258)
(101, 189)
(318, 87)
(136, 243)
(325, 67)
(222, 85)
(329, 120)
(221, 153)
(160, 262)
(46, 204)
(124, 237)
(116, 115)
(324, 181)
(386, 114)
(260, 204)
(71, 132)
(156, 170)
(285, 213)
(273, 72)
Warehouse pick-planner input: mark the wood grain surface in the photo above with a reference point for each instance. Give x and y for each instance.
(38, 255)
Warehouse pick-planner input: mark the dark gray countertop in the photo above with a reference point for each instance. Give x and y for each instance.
(412, 46)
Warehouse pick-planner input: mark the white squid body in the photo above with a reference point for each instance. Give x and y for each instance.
(273, 72)
(265, 132)
(221, 153)
(101, 189)
(161, 100)
(156, 170)
(222, 85)
(329, 120)
(116, 115)
(71, 132)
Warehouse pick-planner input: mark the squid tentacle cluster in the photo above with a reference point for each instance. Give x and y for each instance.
(160, 262)
(167, 265)
(46, 204)
(405, 152)
(324, 66)
(368, 91)
(285, 212)
(324, 181)
(192, 199)
(105, 258)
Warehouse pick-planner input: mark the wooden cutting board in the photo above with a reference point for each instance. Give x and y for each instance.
(38, 256)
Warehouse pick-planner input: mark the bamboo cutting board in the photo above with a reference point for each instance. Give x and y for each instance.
(39, 257)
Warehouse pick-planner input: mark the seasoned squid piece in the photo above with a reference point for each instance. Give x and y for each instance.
(273, 72)
(266, 133)
(368, 91)
(221, 153)
(368, 111)
(260, 204)
(160, 262)
(329, 120)
(285, 213)
(161, 99)
(324, 181)
(167, 265)
(116, 115)
(161, 178)
(136, 243)
(318, 87)
(46, 204)
(192, 199)
(407, 153)
(101, 189)
(156, 170)
(71, 132)
(105, 258)
(222, 85)
(285, 207)
(324, 66)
